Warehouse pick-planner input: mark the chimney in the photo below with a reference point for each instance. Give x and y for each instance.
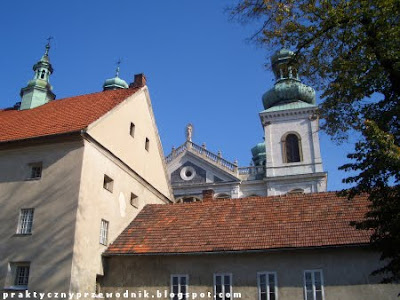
(139, 81)
(208, 195)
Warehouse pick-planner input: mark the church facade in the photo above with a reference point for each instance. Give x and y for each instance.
(288, 161)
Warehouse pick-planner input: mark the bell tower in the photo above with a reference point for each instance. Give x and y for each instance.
(290, 121)
(39, 90)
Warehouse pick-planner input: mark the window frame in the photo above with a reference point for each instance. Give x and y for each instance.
(134, 201)
(179, 285)
(267, 273)
(223, 285)
(104, 232)
(132, 129)
(108, 183)
(284, 148)
(25, 230)
(313, 271)
(31, 170)
(12, 279)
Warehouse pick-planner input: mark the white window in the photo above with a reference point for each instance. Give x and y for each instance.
(25, 221)
(104, 232)
(267, 286)
(35, 170)
(108, 183)
(179, 286)
(223, 286)
(313, 285)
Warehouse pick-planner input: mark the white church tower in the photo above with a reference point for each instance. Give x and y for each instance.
(290, 121)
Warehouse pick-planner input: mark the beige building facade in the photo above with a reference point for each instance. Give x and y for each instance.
(344, 273)
(73, 174)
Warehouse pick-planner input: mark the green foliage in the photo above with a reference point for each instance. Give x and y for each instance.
(349, 50)
(377, 158)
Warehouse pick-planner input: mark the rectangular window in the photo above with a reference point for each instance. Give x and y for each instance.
(35, 170)
(25, 221)
(313, 285)
(108, 183)
(147, 144)
(267, 286)
(134, 200)
(104, 232)
(132, 130)
(179, 286)
(21, 276)
(223, 286)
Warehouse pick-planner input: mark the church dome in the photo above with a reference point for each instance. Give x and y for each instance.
(259, 154)
(288, 87)
(285, 91)
(115, 83)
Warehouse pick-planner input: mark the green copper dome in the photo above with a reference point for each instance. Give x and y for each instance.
(288, 87)
(259, 154)
(116, 82)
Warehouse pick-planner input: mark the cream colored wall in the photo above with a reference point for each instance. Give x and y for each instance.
(345, 273)
(96, 203)
(112, 131)
(54, 197)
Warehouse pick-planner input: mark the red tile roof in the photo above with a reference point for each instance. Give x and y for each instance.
(59, 116)
(259, 223)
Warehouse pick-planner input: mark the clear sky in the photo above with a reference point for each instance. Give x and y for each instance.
(199, 67)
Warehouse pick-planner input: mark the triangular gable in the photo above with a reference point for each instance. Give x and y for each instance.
(193, 164)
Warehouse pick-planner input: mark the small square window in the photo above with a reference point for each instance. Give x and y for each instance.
(132, 130)
(134, 200)
(147, 144)
(108, 183)
(35, 170)
(25, 221)
(104, 232)
(18, 276)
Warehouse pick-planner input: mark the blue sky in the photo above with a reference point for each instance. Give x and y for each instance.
(199, 67)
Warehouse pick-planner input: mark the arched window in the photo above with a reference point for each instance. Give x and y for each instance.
(43, 73)
(291, 148)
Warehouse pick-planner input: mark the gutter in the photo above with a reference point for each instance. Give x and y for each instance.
(271, 250)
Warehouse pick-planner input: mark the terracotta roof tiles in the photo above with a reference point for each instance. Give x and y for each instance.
(259, 223)
(59, 116)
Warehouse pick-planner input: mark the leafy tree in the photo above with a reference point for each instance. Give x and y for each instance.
(350, 50)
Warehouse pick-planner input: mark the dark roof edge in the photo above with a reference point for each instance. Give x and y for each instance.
(39, 138)
(238, 251)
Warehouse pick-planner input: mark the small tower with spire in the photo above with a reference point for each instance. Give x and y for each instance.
(116, 82)
(39, 90)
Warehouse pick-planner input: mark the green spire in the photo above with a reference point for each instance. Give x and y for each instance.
(116, 82)
(39, 90)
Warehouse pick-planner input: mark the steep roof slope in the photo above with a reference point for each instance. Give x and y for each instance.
(259, 223)
(59, 116)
